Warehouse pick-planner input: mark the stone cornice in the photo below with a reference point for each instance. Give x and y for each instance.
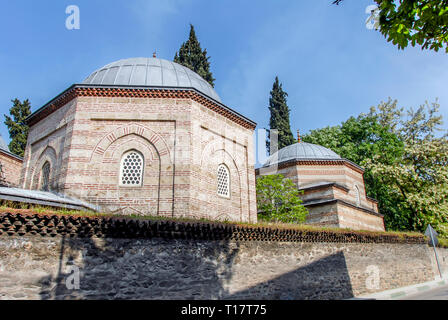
(321, 162)
(326, 185)
(138, 92)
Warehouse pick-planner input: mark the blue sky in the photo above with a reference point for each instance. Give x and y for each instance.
(330, 64)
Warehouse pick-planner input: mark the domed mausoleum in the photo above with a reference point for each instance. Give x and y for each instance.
(333, 187)
(144, 136)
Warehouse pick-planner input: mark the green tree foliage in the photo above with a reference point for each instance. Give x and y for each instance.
(18, 129)
(279, 116)
(193, 57)
(405, 162)
(422, 22)
(278, 200)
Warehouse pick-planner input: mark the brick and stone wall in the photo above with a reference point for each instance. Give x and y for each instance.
(128, 259)
(106, 128)
(218, 141)
(11, 166)
(356, 218)
(182, 142)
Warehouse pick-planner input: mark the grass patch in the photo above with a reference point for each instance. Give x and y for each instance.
(307, 227)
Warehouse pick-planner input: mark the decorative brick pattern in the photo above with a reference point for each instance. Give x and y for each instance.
(331, 193)
(182, 142)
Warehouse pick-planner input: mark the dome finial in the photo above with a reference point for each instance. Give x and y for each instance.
(299, 138)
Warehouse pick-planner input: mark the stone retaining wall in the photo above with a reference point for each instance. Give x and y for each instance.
(78, 226)
(169, 265)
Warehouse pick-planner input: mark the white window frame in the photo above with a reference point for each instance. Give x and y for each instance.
(227, 196)
(122, 163)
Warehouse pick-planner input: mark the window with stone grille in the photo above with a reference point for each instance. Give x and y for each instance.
(131, 170)
(45, 184)
(223, 181)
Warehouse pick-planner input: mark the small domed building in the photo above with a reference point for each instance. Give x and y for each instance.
(144, 136)
(147, 136)
(333, 187)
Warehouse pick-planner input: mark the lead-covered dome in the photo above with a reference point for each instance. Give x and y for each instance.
(153, 72)
(302, 151)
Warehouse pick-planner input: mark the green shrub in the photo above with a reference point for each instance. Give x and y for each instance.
(278, 200)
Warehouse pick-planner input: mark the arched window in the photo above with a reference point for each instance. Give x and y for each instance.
(45, 178)
(223, 181)
(358, 196)
(131, 169)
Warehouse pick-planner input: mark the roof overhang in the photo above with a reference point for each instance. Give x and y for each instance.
(321, 202)
(11, 155)
(43, 198)
(324, 186)
(137, 92)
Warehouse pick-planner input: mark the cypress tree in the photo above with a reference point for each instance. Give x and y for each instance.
(279, 116)
(193, 57)
(18, 129)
